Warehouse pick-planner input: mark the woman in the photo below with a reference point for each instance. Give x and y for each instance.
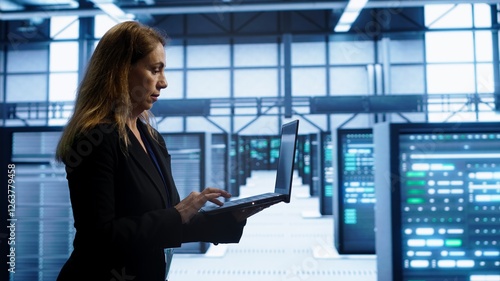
(125, 204)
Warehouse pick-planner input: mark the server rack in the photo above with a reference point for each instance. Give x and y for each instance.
(326, 174)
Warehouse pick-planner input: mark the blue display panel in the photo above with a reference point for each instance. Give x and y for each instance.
(445, 205)
(326, 174)
(354, 192)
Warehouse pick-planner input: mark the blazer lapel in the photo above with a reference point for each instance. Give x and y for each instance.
(163, 158)
(146, 164)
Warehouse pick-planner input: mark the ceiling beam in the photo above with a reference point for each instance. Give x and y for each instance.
(234, 8)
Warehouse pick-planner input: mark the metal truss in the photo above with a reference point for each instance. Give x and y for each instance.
(270, 106)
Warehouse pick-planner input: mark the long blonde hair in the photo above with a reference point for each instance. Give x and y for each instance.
(103, 95)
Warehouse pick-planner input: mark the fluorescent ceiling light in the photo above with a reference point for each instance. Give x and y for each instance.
(342, 27)
(350, 14)
(348, 17)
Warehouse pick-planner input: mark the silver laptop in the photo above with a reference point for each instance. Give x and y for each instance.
(284, 175)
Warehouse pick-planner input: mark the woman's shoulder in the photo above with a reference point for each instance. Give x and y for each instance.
(99, 133)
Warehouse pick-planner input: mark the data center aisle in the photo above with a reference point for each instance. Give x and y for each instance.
(278, 244)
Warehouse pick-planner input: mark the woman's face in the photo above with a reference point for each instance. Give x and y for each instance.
(146, 79)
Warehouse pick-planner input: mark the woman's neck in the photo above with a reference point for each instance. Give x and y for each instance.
(132, 123)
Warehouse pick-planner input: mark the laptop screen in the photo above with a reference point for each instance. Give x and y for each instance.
(286, 158)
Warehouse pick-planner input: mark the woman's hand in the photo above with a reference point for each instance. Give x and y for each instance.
(190, 205)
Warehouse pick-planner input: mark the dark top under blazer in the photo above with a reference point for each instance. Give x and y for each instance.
(121, 217)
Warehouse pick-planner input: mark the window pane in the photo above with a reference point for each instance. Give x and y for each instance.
(102, 23)
(64, 56)
(484, 46)
(438, 46)
(448, 117)
(1, 88)
(208, 56)
(174, 124)
(175, 88)
(407, 79)
(355, 52)
(27, 61)
(208, 84)
(489, 116)
(255, 55)
(62, 86)
(308, 53)
(20, 88)
(348, 80)
(406, 51)
(256, 83)
(485, 81)
(2, 61)
(309, 81)
(174, 56)
(64, 27)
(450, 78)
(197, 124)
(482, 15)
(448, 16)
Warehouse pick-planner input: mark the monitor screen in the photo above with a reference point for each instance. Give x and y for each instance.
(444, 197)
(354, 193)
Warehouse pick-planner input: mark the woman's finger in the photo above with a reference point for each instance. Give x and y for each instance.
(221, 192)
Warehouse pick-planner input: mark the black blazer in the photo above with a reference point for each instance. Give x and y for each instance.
(121, 212)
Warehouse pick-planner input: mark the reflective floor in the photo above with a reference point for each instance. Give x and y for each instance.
(282, 243)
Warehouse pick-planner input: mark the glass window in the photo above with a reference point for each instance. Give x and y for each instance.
(406, 51)
(255, 55)
(102, 23)
(64, 27)
(484, 46)
(175, 89)
(20, 87)
(485, 81)
(309, 81)
(208, 84)
(448, 16)
(407, 79)
(352, 52)
(1, 87)
(174, 56)
(482, 15)
(27, 61)
(454, 46)
(208, 56)
(264, 125)
(311, 53)
(348, 81)
(255, 83)
(2, 59)
(489, 116)
(63, 86)
(437, 116)
(450, 79)
(64, 56)
(246, 110)
(402, 118)
(174, 124)
(196, 124)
